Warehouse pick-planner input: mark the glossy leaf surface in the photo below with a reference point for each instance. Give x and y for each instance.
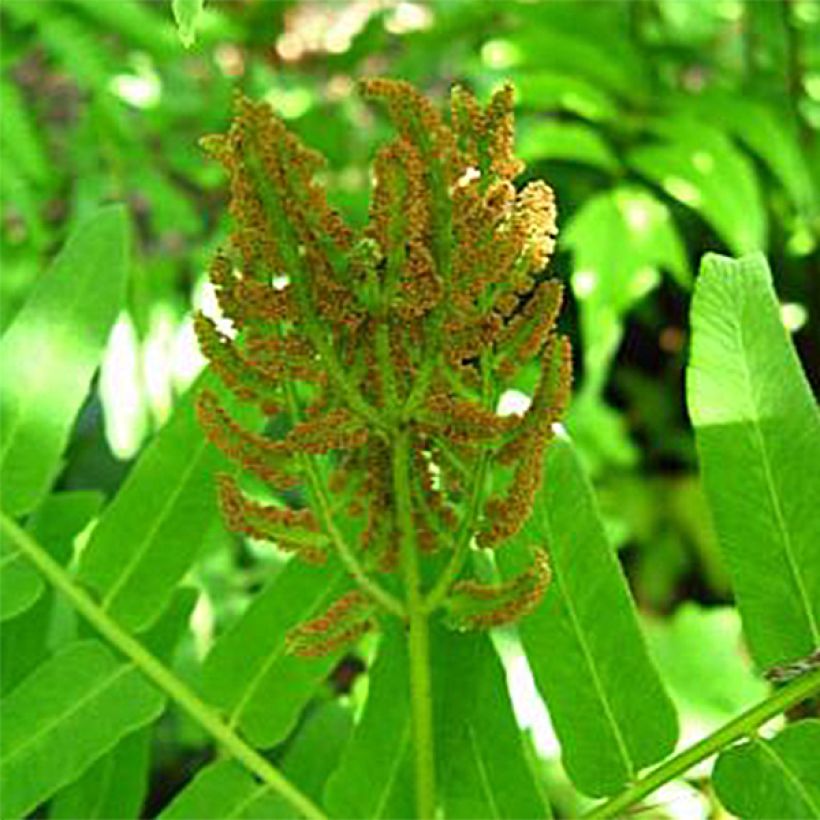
(758, 436)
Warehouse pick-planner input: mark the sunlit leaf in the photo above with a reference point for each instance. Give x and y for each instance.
(114, 786)
(584, 643)
(317, 748)
(50, 352)
(758, 435)
(620, 240)
(773, 778)
(544, 90)
(54, 524)
(69, 712)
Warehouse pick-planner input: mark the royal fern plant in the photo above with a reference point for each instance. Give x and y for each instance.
(354, 420)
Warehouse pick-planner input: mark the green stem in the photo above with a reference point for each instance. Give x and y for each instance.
(793, 693)
(418, 638)
(462, 541)
(321, 504)
(157, 672)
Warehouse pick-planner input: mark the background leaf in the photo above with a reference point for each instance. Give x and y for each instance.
(773, 778)
(51, 350)
(699, 166)
(758, 436)
(69, 712)
(583, 642)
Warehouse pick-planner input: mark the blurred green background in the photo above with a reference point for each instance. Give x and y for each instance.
(667, 128)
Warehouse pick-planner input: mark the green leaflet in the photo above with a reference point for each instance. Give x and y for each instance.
(51, 350)
(482, 767)
(583, 643)
(225, 790)
(375, 776)
(54, 524)
(20, 584)
(150, 534)
(66, 714)
(758, 437)
(699, 166)
(249, 674)
(773, 778)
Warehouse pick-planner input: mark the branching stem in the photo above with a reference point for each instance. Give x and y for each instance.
(157, 672)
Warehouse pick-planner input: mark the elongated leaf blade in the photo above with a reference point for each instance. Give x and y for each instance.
(758, 437)
(222, 790)
(249, 673)
(66, 714)
(483, 771)
(589, 659)
(375, 776)
(50, 353)
(54, 524)
(20, 584)
(773, 778)
(150, 534)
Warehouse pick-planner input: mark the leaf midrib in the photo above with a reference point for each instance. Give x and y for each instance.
(253, 685)
(620, 741)
(785, 535)
(793, 779)
(151, 534)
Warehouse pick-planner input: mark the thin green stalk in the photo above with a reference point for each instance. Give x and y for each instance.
(793, 693)
(321, 504)
(157, 672)
(462, 540)
(418, 637)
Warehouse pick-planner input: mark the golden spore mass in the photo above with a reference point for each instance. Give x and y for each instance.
(413, 326)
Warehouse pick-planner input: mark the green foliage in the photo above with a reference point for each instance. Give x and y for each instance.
(755, 417)
(71, 711)
(51, 351)
(772, 778)
(147, 668)
(584, 643)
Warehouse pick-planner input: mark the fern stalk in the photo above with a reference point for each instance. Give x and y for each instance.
(159, 674)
